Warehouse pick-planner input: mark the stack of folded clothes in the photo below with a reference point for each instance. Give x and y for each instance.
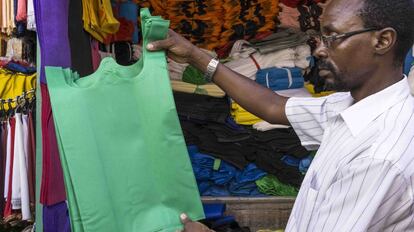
(280, 78)
(219, 178)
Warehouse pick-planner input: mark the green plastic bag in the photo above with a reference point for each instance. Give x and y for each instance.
(125, 162)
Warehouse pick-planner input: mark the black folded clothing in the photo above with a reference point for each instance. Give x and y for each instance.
(202, 107)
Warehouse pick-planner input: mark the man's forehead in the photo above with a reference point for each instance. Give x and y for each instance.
(340, 12)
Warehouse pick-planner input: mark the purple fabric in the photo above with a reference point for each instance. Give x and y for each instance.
(56, 218)
(52, 29)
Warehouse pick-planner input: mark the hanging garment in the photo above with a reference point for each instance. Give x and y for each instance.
(14, 84)
(22, 10)
(98, 19)
(9, 168)
(52, 189)
(52, 28)
(31, 147)
(20, 191)
(31, 22)
(4, 133)
(119, 175)
(129, 11)
(79, 40)
(56, 218)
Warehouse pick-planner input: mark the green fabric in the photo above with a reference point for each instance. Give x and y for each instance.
(217, 163)
(126, 166)
(193, 76)
(270, 185)
(39, 207)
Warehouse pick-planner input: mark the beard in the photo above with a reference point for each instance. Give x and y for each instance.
(335, 81)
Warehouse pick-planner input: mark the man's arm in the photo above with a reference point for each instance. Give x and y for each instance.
(255, 98)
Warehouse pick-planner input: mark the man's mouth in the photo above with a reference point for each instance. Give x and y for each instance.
(324, 72)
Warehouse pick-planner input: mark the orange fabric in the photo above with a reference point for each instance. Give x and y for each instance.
(211, 24)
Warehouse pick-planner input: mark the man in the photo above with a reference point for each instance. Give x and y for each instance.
(362, 176)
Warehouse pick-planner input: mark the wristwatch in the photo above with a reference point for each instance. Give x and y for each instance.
(211, 69)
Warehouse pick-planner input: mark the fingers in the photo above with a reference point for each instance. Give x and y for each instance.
(160, 44)
(184, 218)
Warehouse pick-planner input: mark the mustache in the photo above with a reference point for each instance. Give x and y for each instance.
(324, 65)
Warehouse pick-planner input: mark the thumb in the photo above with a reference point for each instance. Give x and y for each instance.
(160, 44)
(184, 218)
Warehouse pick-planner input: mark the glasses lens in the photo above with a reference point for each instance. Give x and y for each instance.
(326, 41)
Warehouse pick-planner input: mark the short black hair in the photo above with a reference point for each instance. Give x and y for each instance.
(397, 14)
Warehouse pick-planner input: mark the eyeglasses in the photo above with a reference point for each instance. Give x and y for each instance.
(327, 40)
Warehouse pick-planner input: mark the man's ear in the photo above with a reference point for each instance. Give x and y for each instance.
(384, 40)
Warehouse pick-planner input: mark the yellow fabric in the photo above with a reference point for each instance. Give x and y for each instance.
(14, 84)
(98, 19)
(242, 116)
(309, 87)
(207, 89)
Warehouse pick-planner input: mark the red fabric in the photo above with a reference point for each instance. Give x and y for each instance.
(52, 186)
(8, 206)
(96, 58)
(125, 32)
(21, 10)
(31, 160)
(3, 163)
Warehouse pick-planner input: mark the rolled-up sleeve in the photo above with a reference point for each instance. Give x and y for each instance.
(308, 117)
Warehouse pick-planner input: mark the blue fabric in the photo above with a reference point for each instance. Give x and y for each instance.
(233, 125)
(223, 221)
(278, 78)
(129, 10)
(409, 59)
(20, 68)
(208, 188)
(225, 181)
(214, 210)
(301, 164)
(305, 163)
(56, 218)
(21, 26)
(290, 160)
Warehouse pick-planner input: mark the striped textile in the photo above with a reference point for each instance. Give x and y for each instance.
(362, 176)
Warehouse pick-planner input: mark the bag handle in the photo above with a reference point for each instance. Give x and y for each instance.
(153, 28)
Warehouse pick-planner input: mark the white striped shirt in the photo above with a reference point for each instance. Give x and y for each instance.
(362, 176)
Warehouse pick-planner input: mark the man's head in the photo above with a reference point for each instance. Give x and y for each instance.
(361, 36)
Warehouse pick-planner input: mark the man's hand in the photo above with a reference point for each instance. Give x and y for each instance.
(179, 49)
(190, 226)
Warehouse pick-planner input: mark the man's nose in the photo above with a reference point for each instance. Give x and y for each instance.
(321, 51)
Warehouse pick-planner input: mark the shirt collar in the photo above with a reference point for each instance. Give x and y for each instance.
(359, 115)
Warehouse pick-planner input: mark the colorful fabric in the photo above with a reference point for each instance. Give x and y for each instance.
(280, 78)
(311, 90)
(212, 23)
(216, 177)
(14, 84)
(270, 185)
(52, 188)
(207, 89)
(288, 16)
(98, 19)
(242, 116)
